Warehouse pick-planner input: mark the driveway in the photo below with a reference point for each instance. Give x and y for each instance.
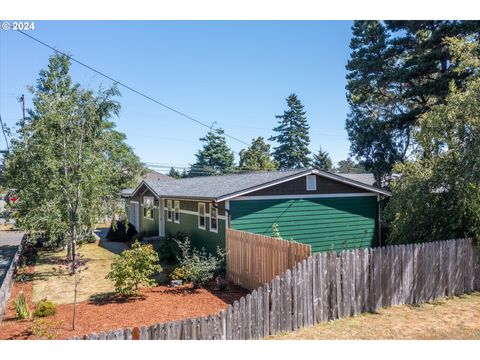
(9, 241)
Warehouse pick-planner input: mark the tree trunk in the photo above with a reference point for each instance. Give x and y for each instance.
(73, 247)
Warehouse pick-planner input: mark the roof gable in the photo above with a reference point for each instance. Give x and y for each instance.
(220, 188)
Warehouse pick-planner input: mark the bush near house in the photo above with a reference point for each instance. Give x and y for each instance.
(169, 251)
(121, 231)
(133, 268)
(197, 266)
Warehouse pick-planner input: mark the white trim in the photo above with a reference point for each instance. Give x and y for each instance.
(194, 213)
(175, 203)
(210, 220)
(227, 211)
(306, 196)
(307, 180)
(131, 201)
(161, 218)
(152, 208)
(169, 210)
(204, 227)
(138, 187)
(334, 177)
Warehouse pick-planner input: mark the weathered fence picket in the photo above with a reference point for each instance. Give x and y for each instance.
(329, 286)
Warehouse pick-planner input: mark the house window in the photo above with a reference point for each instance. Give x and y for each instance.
(311, 182)
(176, 215)
(169, 210)
(201, 216)
(148, 207)
(213, 219)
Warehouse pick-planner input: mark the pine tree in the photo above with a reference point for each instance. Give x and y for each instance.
(321, 160)
(349, 166)
(174, 173)
(293, 139)
(257, 157)
(215, 157)
(398, 70)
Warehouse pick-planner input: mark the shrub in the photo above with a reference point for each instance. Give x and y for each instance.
(47, 330)
(169, 251)
(45, 308)
(196, 266)
(21, 307)
(133, 268)
(121, 230)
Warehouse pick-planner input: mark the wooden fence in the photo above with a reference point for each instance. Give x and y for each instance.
(330, 286)
(253, 260)
(8, 280)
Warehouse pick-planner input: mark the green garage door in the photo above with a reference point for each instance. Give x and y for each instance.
(324, 223)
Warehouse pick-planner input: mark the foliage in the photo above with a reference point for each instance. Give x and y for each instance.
(293, 139)
(321, 160)
(215, 158)
(197, 266)
(121, 230)
(257, 157)
(20, 305)
(67, 162)
(48, 330)
(133, 268)
(169, 250)
(437, 195)
(398, 71)
(45, 308)
(174, 173)
(222, 283)
(276, 231)
(349, 166)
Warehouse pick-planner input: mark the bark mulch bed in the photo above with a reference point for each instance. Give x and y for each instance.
(110, 312)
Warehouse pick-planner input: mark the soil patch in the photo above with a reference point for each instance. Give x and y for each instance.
(108, 312)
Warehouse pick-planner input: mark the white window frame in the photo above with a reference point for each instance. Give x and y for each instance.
(212, 229)
(169, 210)
(176, 211)
(145, 200)
(311, 182)
(200, 205)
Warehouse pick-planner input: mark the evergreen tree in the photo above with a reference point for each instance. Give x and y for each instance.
(398, 70)
(293, 139)
(257, 157)
(174, 173)
(321, 160)
(349, 166)
(215, 157)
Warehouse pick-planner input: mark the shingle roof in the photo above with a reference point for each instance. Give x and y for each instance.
(219, 187)
(151, 175)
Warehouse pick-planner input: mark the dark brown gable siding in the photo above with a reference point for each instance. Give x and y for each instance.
(299, 187)
(143, 191)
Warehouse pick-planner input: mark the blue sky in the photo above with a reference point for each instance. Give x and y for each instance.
(236, 74)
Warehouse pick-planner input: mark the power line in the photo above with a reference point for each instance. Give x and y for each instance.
(129, 87)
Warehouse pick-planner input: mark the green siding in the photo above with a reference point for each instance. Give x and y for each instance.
(198, 237)
(148, 227)
(324, 223)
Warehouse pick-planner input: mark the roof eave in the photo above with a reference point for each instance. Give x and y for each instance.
(303, 173)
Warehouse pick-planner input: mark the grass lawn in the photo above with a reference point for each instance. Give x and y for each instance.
(52, 281)
(453, 318)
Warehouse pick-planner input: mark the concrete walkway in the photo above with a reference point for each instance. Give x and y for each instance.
(115, 247)
(9, 241)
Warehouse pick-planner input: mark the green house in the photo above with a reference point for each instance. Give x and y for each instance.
(325, 210)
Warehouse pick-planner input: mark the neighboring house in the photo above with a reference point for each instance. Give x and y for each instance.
(328, 211)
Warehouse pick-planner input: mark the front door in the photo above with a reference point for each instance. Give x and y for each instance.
(134, 214)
